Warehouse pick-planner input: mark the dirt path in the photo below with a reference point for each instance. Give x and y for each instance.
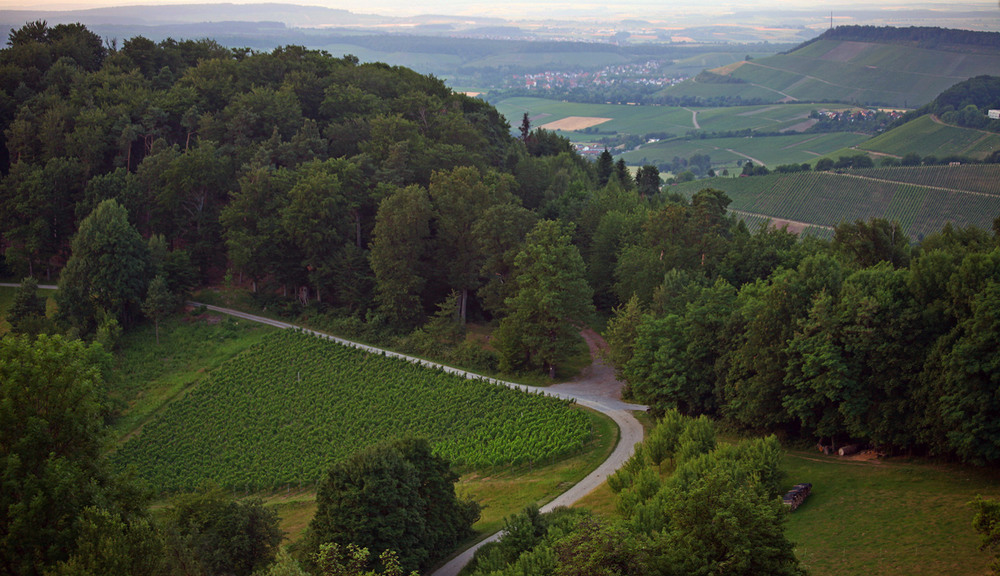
(595, 388)
(694, 118)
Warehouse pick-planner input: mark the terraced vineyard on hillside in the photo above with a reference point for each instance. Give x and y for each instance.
(846, 71)
(926, 136)
(282, 412)
(921, 198)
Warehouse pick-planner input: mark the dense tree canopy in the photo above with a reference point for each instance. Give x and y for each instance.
(393, 496)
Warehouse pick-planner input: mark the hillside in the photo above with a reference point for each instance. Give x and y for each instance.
(884, 71)
(922, 198)
(928, 135)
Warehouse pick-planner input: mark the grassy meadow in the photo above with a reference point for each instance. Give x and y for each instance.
(887, 517)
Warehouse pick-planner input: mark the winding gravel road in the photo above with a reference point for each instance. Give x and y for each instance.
(596, 388)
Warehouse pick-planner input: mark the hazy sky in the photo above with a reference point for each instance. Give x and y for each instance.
(541, 8)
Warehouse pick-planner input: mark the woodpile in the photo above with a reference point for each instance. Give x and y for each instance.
(796, 495)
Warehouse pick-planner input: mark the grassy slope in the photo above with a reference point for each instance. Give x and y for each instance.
(829, 70)
(925, 136)
(148, 376)
(887, 518)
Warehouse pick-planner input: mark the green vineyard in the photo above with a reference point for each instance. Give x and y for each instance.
(282, 412)
(922, 199)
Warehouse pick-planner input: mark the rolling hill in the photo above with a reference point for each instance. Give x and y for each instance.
(850, 64)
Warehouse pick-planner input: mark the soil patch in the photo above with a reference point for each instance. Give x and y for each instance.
(575, 123)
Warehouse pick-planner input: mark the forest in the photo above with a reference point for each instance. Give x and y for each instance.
(382, 205)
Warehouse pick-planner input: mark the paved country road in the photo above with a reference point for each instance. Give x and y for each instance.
(596, 388)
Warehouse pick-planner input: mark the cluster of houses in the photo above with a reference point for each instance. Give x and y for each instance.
(644, 74)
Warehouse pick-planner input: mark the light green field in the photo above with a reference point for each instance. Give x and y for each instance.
(725, 152)
(886, 518)
(830, 70)
(925, 137)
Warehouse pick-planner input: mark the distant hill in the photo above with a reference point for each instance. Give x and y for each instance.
(898, 67)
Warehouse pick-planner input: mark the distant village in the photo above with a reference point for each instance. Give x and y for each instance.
(645, 74)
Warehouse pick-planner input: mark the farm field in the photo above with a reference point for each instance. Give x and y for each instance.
(826, 199)
(283, 411)
(887, 517)
(624, 119)
(725, 152)
(927, 137)
(845, 71)
(149, 376)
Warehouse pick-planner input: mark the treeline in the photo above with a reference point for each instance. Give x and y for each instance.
(718, 512)
(865, 339)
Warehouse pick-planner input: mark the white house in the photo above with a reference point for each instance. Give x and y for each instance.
(994, 114)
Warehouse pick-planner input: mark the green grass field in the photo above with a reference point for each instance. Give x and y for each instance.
(964, 195)
(885, 518)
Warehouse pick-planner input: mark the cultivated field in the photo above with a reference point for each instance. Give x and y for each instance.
(283, 411)
(571, 123)
(862, 72)
(768, 150)
(963, 195)
(927, 137)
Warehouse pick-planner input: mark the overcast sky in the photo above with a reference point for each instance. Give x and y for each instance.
(542, 8)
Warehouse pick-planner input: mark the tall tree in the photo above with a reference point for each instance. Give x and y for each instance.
(51, 446)
(460, 198)
(393, 496)
(107, 270)
(398, 255)
(550, 294)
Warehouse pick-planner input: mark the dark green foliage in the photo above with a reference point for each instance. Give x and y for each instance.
(57, 492)
(393, 496)
(207, 532)
(987, 524)
(26, 314)
(107, 273)
(550, 294)
(718, 513)
(868, 243)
